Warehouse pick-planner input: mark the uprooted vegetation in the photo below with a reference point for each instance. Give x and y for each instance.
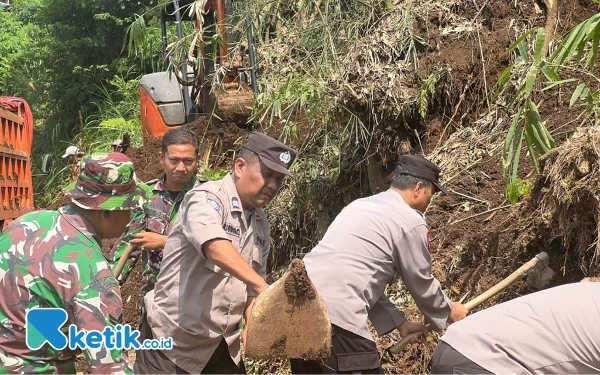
(420, 78)
(354, 84)
(566, 202)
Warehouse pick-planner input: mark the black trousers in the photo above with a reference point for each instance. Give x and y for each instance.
(447, 360)
(350, 353)
(156, 362)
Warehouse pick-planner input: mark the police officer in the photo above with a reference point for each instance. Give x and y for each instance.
(370, 244)
(54, 259)
(214, 263)
(553, 331)
(149, 227)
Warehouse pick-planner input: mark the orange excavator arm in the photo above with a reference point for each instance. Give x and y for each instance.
(171, 100)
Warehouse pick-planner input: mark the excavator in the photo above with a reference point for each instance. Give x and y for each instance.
(213, 86)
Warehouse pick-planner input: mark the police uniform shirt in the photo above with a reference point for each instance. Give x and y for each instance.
(195, 302)
(370, 244)
(553, 331)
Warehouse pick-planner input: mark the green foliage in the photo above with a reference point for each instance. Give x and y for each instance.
(517, 189)
(18, 35)
(65, 57)
(578, 47)
(143, 42)
(582, 40)
(305, 59)
(46, 187)
(526, 124)
(292, 98)
(118, 113)
(426, 93)
(119, 100)
(575, 42)
(213, 174)
(411, 42)
(58, 54)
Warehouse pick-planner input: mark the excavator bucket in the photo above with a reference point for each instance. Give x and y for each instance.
(289, 320)
(233, 103)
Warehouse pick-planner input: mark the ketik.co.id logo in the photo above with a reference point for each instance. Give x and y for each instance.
(44, 326)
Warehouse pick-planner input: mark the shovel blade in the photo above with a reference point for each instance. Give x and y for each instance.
(289, 322)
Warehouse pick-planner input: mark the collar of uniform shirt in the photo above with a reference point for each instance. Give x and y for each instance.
(161, 183)
(248, 214)
(80, 223)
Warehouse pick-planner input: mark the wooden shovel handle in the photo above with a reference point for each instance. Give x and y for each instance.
(399, 346)
(117, 270)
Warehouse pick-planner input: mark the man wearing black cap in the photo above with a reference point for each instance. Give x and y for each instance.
(214, 264)
(370, 244)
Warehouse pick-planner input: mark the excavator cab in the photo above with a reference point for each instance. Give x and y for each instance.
(170, 99)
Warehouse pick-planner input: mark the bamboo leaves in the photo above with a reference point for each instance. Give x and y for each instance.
(576, 41)
(526, 124)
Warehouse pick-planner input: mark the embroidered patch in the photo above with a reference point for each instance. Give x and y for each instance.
(235, 203)
(285, 157)
(260, 241)
(115, 319)
(214, 201)
(428, 241)
(231, 229)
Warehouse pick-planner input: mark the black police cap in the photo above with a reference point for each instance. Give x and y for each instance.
(418, 166)
(274, 154)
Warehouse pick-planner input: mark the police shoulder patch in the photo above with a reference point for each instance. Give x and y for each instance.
(214, 201)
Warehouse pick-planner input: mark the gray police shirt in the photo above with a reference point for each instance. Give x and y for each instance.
(554, 331)
(370, 244)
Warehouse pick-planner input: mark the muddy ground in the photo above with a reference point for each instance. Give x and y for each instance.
(474, 239)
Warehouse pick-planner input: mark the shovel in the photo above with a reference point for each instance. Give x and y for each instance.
(117, 270)
(538, 274)
(289, 320)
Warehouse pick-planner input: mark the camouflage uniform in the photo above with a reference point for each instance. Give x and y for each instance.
(54, 259)
(158, 216)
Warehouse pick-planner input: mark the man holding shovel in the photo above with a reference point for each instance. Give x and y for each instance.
(214, 263)
(553, 331)
(149, 226)
(53, 259)
(370, 244)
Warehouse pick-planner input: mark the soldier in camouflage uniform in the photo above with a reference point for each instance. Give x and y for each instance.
(149, 227)
(53, 259)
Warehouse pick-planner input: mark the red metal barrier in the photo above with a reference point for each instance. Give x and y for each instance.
(16, 133)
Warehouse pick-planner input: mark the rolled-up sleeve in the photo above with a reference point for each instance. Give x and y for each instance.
(202, 219)
(385, 316)
(413, 261)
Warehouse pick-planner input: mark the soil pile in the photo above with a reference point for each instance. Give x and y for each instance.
(218, 143)
(289, 320)
(566, 200)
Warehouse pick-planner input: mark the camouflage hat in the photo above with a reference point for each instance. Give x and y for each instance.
(107, 182)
